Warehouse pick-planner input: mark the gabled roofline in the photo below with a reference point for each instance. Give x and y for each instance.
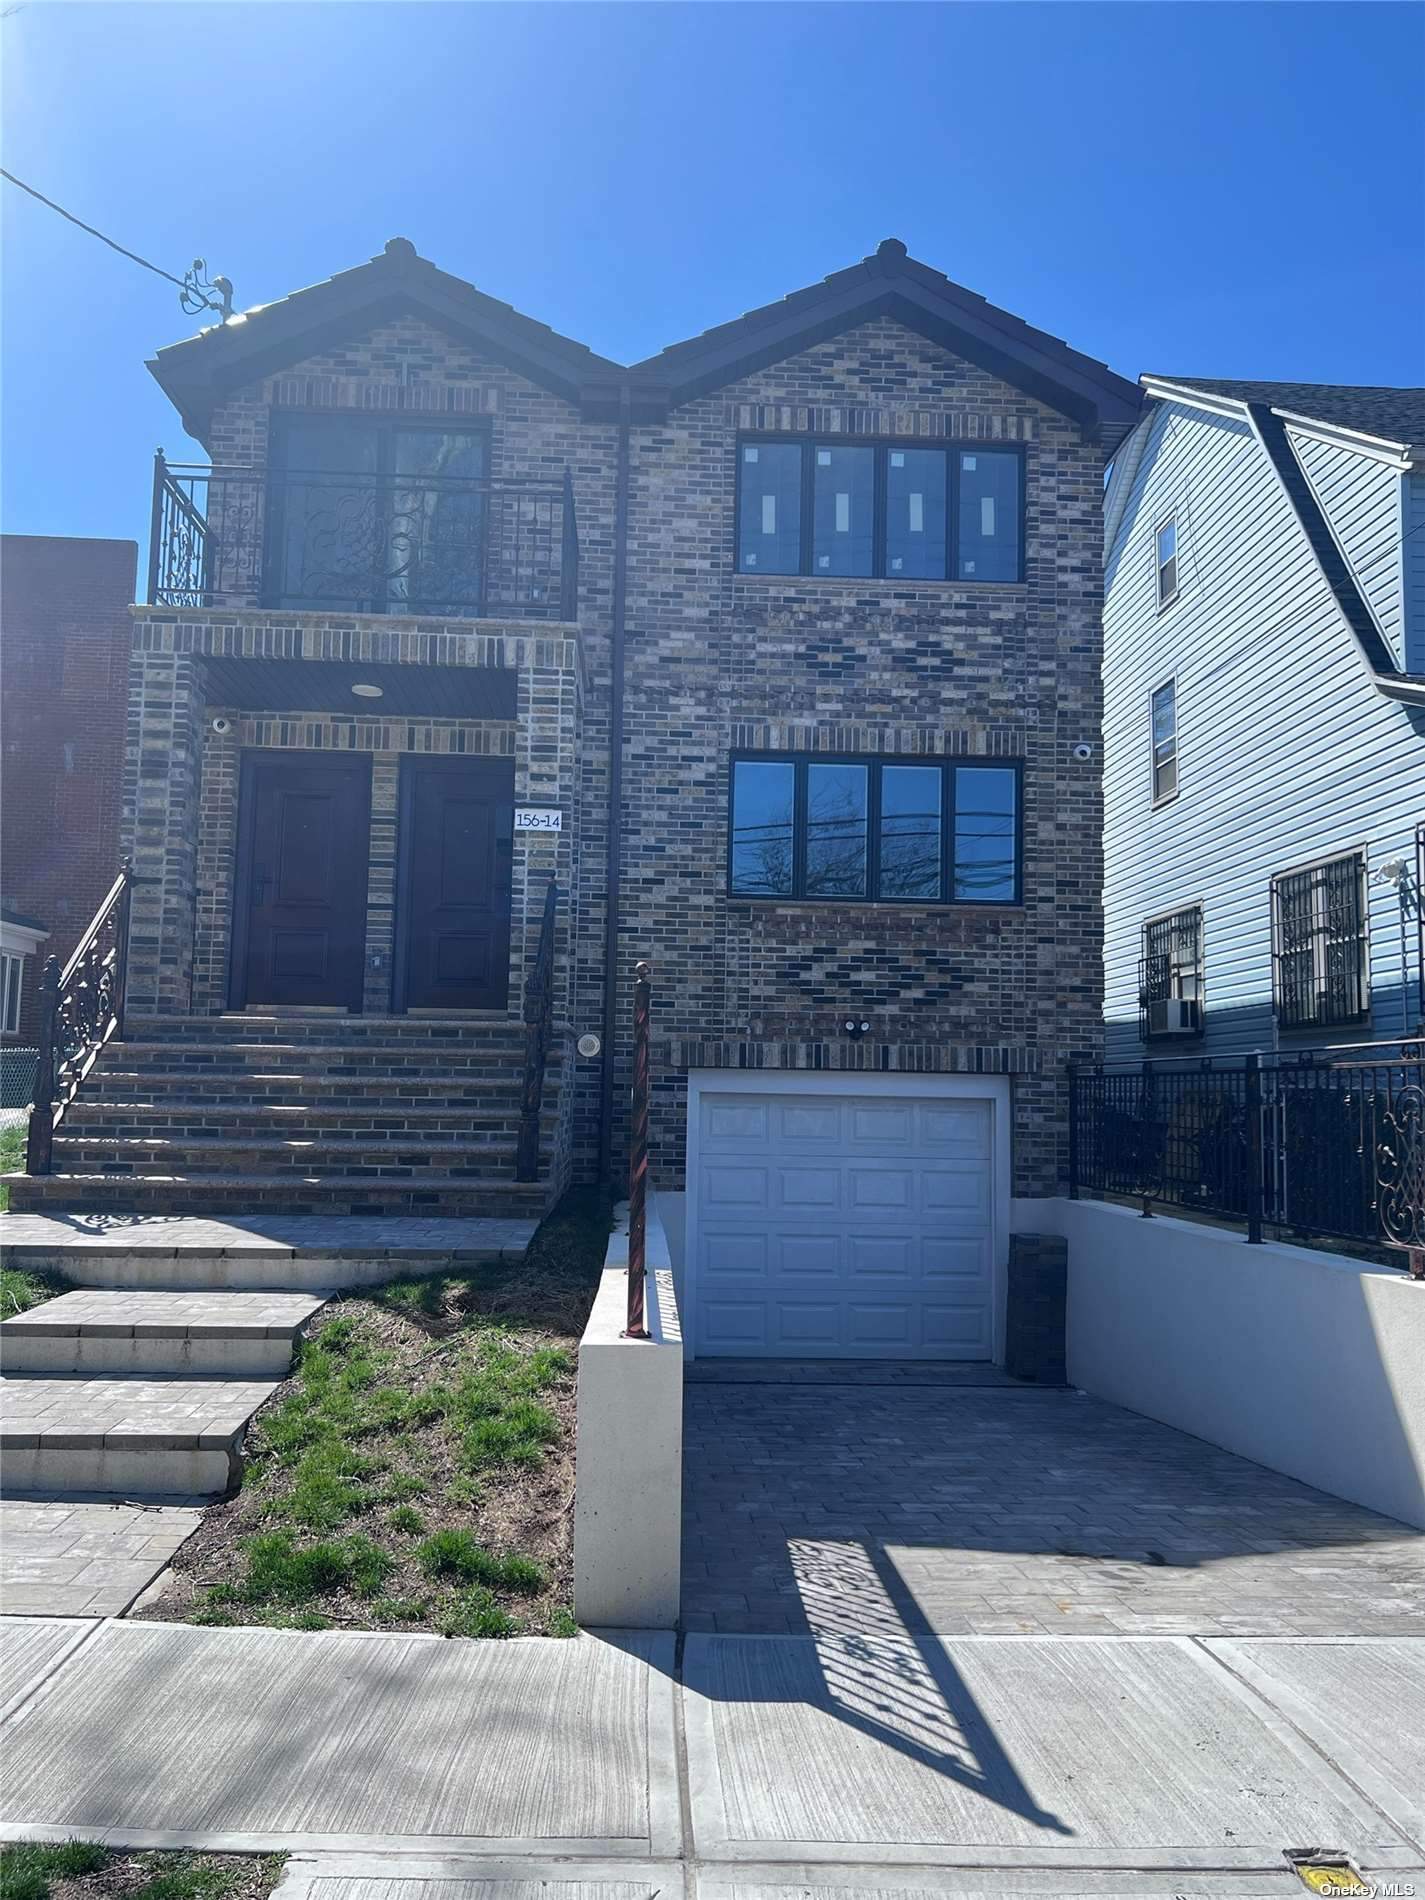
(1269, 427)
(1382, 448)
(197, 373)
(1401, 455)
(892, 283)
(1162, 390)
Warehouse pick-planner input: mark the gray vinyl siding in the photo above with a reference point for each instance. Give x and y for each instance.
(1413, 549)
(1362, 500)
(1287, 752)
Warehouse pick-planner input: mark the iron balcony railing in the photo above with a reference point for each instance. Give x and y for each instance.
(1329, 1143)
(452, 546)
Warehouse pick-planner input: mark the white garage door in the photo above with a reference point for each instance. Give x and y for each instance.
(850, 1226)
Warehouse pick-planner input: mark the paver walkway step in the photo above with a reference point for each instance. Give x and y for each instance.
(68, 1557)
(158, 1438)
(292, 1252)
(158, 1334)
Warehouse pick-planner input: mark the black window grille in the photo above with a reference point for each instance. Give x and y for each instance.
(1418, 898)
(1170, 976)
(1320, 973)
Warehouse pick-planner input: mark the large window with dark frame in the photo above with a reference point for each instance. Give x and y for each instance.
(377, 515)
(888, 830)
(1320, 965)
(893, 511)
(1170, 976)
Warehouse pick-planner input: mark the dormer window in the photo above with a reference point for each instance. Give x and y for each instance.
(879, 511)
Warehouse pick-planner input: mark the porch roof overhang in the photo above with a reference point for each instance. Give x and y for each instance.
(327, 686)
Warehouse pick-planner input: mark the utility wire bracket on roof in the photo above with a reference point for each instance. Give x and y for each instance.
(197, 292)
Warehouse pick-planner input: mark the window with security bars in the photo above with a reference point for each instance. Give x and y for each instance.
(1320, 972)
(1170, 976)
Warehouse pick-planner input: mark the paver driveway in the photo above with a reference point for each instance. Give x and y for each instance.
(844, 1501)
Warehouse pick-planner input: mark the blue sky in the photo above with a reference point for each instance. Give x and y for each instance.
(1213, 189)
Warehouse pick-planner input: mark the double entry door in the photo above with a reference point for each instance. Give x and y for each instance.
(304, 861)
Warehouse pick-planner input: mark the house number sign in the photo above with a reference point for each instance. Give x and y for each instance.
(538, 818)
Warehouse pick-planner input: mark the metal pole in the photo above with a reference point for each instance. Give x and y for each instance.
(121, 949)
(154, 532)
(1073, 1130)
(638, 1159)
(1253, 1107)
(40, 1140)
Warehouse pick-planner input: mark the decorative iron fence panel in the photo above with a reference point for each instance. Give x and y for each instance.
(1328, 1143)
(451, 546)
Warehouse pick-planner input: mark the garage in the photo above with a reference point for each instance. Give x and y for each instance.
(832, 1217)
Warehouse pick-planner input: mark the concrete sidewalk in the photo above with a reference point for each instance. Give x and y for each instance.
(967, 1766)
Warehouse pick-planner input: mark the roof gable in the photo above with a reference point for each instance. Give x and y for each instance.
(198, 373)
(890, 283)
(1395, 416)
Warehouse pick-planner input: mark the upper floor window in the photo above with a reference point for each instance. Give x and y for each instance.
(1320, 966)
(1168, 560)
(374, 516)
(12, 971)
(887, 830)
(882, 510)
(1164, 727)
(1170, 975)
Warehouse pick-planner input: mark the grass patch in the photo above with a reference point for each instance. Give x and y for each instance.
(12, 1155)
(28, 1867)
(82, 1870)
(455, 1553)
(21, 1288)
(416, 1469)
(476, 1612)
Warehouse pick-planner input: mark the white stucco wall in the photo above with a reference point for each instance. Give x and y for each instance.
(628, 1501)
(1311, 1363)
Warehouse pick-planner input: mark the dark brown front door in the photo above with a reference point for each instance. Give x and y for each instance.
(299, 924)
(453, 900)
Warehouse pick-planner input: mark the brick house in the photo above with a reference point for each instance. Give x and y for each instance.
(65, 637)
(831, 577)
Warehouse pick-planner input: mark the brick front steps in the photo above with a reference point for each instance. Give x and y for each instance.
(235, 1195)
(302, 1115)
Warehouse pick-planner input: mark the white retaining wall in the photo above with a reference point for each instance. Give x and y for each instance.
(628, 1500)
(1309, 1362)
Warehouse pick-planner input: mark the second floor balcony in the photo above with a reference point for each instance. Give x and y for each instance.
(368, 540)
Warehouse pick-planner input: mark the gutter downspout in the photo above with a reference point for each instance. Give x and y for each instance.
(615, 809)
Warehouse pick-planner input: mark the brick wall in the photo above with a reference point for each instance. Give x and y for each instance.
(719, 660)
(64, 649)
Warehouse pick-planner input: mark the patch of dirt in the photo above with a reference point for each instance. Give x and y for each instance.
(423, 1338)
(193, 1877)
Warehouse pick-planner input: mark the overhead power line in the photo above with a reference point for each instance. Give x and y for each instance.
(194, 286)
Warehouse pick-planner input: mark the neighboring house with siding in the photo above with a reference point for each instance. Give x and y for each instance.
(1264, 718)
(783, 645)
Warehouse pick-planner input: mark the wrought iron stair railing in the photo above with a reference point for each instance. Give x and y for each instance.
(81, 1009)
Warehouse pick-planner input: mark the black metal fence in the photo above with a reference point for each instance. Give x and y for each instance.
(452, 546)
(1327, 1143)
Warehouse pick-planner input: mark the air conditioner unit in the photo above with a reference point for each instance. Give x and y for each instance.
(1173, 1016)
